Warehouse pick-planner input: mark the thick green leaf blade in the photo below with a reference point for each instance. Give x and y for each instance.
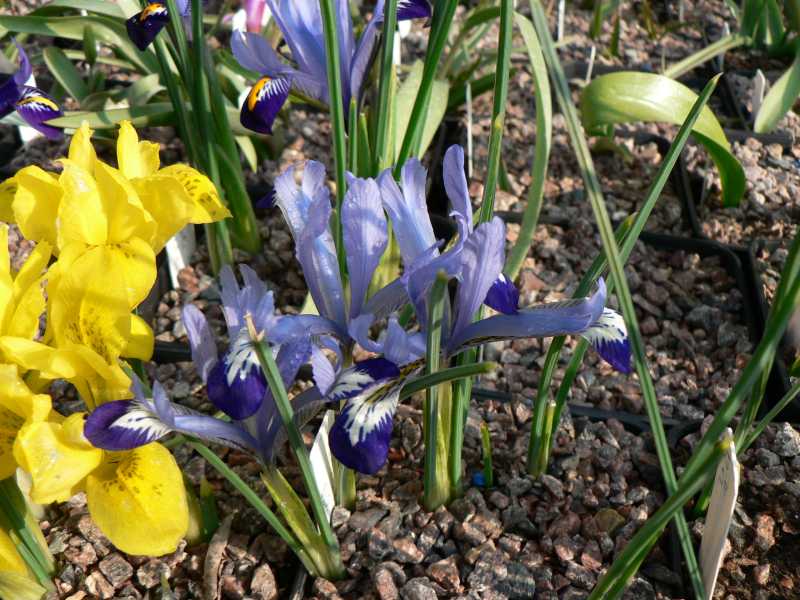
(407, 95)
(779, 99)
(630, 97)
(65, 72)
(144, 89)
(99, 7)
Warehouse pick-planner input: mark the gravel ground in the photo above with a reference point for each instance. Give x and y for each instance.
(553, 537)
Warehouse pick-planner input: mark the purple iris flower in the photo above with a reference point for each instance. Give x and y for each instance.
(31, 103)
(360, 435)
(144, 26)
(235, 382)
(301, 25)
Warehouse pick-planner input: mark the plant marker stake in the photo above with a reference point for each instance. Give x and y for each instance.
(759, 89)
(180, 248)
(321, 463)
(720, 514)
(590, 67)
(726, 31)
(560, 25)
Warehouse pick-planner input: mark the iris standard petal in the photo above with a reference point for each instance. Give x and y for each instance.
(365, 237)
(482, 261)
(307, 210)
(503, 296)
(322, 369)
(569, 317)
(264, 102)
(408, 210)
(201, 340)
(143, 27)
(609, 337)
(455, 184)
(254, 52)
(413, 9)
(236, 385)
(23, 74)
(36, 108)
(10, 92)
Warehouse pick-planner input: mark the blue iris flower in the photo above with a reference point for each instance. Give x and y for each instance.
(300, 23)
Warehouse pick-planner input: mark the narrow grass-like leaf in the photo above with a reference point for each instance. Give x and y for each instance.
(627, 562)
(335, 95)
(384, 111)
(595, 196)
(541, 153)
(629, 97)
(718, 48)
(498, 109)
(443, 14)
(486, 447)
(780, 98)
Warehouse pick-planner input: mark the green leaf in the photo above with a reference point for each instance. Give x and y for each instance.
(143, 90)
(107, 30)
(65, 72)
(245, 144)
(150, 115)
(99, 7)
(140, 116)
(406, 96)
(90, 45)
(19, 587)
(780, 98)
(631, 97)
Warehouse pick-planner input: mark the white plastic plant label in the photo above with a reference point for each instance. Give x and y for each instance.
(322, 463)
(759, 89)
(180, 248)
(719, 515)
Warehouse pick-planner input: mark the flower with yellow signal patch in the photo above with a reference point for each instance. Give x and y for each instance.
(19, 406)
(176, 195)
(89, 329)
(137, 498)
(22, 299)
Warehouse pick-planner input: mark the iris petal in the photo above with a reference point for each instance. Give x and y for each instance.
(236, 384)
(503, 296)
(36, 108)
(143, 27)
(123, 425)
(609, 337)
(264, 102)
(413, 9)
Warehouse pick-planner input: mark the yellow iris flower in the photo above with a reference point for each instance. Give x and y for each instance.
(100, 215)
(106, 225)
(137, 498)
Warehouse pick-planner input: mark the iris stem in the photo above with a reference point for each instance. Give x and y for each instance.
(541, 155)
(13, 513)
(595, 196)
(436, 488)
(284, 407)
(336, 101)
(445, 376)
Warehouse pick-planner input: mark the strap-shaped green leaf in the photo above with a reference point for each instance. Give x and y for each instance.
(779, 99)
(65, 72)
(404, 102)
(631, 97)
(108, 31)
